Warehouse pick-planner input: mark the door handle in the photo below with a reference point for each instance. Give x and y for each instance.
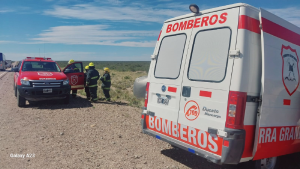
(80, 75)
(186, 91)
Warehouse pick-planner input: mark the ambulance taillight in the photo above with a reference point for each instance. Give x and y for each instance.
(147, 94)
(236, 110)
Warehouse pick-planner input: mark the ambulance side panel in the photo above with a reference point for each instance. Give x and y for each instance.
(278, 129)
(246, 74)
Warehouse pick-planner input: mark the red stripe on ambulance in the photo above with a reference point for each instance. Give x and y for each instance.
(277, 141)
(192, 136)
(172, 89)
(280, 31)
(198, 22)
(251, 24)
(205, 93)
(286, 102)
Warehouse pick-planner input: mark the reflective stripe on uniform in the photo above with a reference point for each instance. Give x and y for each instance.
(95, 77)
(107, 80)
(95, 99)
(106, 88)
(93, 85)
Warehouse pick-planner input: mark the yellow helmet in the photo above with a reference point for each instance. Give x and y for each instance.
(106, 69)
(71, 61)
(87, 67)
(91, 64)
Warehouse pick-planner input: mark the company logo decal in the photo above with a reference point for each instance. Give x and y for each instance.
(45, 74)
(191, 110)
(163, 88)
(290, 69)
(211, 112)
(74, 79)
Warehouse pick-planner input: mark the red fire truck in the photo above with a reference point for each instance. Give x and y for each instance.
(38, 78)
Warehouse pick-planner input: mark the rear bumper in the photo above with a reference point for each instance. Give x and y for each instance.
(230, 155)
(36, 94)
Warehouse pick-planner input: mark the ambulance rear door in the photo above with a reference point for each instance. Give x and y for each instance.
(166, 72)
(206, 81)
(278, 120)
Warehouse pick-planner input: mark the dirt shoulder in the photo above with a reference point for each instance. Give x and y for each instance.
(82, 135)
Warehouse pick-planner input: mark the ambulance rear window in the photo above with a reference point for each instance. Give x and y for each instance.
(170, 56)
(209, 56)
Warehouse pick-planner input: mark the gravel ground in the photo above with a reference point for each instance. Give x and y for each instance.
(83, 135)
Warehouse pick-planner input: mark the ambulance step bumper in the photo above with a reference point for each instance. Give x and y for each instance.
(209, 156)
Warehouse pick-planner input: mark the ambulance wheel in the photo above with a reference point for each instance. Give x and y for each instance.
(21, 100)
(267, 163)
(67, 99)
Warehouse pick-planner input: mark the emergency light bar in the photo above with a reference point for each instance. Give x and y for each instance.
(40, 58)
(194, 8)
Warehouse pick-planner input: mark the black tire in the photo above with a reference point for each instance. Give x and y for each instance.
(67, 99)
(280, 162)
(15, 91)
(21, 100)
(32, 103)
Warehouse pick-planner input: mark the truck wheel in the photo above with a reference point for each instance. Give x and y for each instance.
(32, 103)
(21, 100)
(67, 99)
(15, 91)
(267, 163)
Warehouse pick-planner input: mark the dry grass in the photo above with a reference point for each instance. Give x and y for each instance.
(122, 87)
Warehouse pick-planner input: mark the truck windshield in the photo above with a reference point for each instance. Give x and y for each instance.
(40, 66)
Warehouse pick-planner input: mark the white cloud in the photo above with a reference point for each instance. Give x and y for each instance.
(291, 14)
(117, 13)
(95, 35)
(6, 42)
(80, 56)
(6, 10)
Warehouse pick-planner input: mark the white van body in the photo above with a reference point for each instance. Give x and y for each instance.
(223, 84)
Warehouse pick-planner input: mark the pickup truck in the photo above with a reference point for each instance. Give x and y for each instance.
(38, 79)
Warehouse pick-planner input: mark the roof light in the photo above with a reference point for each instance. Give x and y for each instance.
(194, 8)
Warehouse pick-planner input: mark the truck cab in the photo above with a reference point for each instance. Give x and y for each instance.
(38, 78)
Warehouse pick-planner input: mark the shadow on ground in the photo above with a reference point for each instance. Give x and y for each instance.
(190, 160)
(111, 103)
(193, 161)
(77, 102)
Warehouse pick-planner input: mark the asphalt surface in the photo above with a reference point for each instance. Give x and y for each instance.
(81, 134)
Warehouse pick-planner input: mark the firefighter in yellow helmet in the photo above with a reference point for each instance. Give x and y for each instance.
(106, 83)
(71, 68)
(86, 88)
(91, 81)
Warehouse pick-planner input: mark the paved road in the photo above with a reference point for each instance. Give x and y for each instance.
(83, 135)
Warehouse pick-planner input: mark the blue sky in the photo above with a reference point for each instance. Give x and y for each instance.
(104, 30)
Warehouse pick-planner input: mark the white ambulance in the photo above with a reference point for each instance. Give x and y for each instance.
(224, 84)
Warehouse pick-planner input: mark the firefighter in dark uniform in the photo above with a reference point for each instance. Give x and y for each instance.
(72, 68)
(106, 83)
(86, 88)
(91, 81)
